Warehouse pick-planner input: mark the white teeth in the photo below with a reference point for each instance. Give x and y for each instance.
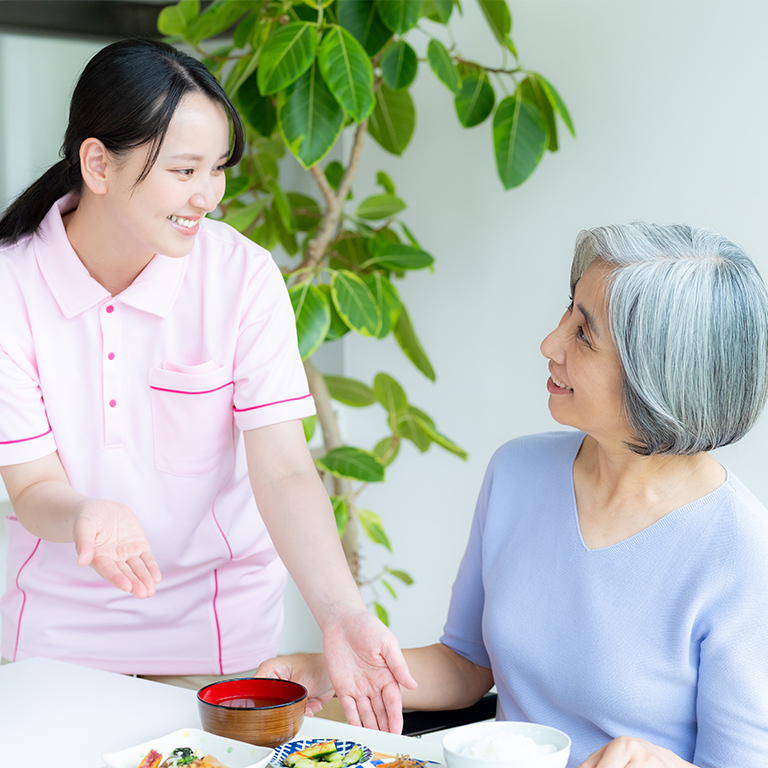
(188, 223)
(561, 385)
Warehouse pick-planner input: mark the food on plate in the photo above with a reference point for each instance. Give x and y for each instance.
(507, 746)
(183, 756)
(404, 761)
(324, 755)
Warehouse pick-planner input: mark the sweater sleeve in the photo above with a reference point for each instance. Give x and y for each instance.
(732, 694)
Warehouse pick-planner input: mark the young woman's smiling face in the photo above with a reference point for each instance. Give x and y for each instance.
(162, 213)
(585, 388)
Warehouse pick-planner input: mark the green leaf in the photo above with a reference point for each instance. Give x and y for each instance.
(349, 391)
(411, 237)
(387, 450)
(355, 303)
(412, 428)
(236, 185)
(361, 18)
(395, 257)
(371, 524)
(384, 181)
(557, 103)
(352, 462)
(333, 172)
(380, 207)
(387, 301)
(309, 118)
(313, 317)
(532, 91)
(442, 65)
(429, 427)
(244, 68)
(409, 343)
(406, 578)
(338, 326)
(399, 15)
(498, 17)
(381, 613)
(287, 55)
(242, 34)
(243, 217)
(306, 211)
(399, 65)
(267, 233)
(475, 100)
(389, 588)
(519, 139)
(437, 10)
(259, 111)
(347, 71)
(340, 512)
(348, 252)
(393, 120)
(390, 394)
(283, 207)
(175, 19)
(217, 17)
(310, 425)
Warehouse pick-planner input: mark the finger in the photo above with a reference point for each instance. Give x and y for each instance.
(152, 566)
(398, 666)
(84, 537)
(137, 587)
(349, 707)
(140, 571)
(367, 715)
(109, 571)
(379, 711)
(393, 702)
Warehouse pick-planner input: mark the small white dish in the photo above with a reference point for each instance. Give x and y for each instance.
(233, 754)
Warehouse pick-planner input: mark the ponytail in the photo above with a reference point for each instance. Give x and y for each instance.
(24, 215)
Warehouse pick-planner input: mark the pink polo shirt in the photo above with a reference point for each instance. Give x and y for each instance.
(144, 395)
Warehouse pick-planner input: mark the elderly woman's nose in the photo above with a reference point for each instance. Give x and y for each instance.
(551, 347)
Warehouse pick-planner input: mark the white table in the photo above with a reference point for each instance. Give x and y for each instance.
(56, 714)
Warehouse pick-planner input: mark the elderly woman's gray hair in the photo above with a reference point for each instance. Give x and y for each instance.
(689, 317)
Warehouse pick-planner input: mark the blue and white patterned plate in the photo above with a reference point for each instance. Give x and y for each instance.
(342, 747)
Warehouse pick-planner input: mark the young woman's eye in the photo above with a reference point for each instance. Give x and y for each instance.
(185, 171)
(220, 168)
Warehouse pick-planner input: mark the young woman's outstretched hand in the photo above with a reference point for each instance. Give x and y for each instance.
(109, 538)
(362, 663)
(367, 668)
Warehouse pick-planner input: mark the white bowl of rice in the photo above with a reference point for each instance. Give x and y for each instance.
(506, 745)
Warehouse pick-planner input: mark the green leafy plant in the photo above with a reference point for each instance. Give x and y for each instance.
(301, 73)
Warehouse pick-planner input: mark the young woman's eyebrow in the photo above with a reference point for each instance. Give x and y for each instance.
(193, 157)
(589, 320)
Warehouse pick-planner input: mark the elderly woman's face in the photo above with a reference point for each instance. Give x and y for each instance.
(585, 386)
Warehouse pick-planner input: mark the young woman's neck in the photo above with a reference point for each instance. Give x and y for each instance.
(108, 261)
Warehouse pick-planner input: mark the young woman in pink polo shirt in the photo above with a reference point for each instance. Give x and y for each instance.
(151, 397)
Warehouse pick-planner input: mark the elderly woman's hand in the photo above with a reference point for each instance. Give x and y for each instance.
(629, 751)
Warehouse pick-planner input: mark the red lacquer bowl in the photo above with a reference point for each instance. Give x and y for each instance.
(256, 710)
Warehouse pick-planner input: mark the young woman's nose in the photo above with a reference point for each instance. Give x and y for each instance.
(207, 194)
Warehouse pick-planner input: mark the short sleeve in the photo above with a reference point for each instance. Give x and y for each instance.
(270, 383)
(463, 631)
(25, 434)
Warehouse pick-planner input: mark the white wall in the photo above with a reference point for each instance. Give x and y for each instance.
(668, 103)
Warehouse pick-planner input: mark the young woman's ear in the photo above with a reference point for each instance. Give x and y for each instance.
(94, 165)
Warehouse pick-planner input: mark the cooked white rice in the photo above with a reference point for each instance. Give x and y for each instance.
(507, 746)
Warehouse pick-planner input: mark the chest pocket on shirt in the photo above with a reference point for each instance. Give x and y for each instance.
(192, 417)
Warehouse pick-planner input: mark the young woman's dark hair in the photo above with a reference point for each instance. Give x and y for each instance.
(125, 97)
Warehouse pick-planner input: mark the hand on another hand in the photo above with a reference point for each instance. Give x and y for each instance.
(367, 668)
(109, 538)
(309, 670)
(627, 751)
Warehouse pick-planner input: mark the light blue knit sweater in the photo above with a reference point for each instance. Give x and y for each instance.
(662, 636)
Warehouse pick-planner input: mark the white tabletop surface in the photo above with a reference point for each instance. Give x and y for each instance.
(57, 714)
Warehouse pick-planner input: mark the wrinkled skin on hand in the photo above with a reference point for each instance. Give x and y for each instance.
(631, 752)
(367, 668)
(109, 538)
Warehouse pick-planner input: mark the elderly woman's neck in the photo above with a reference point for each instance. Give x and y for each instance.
(619, 493)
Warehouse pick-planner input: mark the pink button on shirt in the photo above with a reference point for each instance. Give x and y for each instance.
(145, 395)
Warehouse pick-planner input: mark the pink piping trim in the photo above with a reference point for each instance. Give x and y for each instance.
(191, 392)
(216, 616)
(24, 439)
(24, 600)
(277, 402)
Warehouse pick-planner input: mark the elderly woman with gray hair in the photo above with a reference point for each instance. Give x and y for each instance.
(615, 584)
